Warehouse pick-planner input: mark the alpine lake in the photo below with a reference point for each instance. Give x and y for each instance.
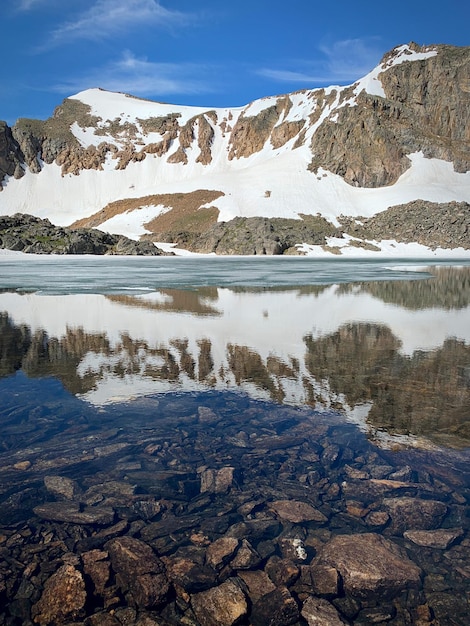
(234, 441)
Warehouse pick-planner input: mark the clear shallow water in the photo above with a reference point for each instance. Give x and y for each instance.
(183, 397)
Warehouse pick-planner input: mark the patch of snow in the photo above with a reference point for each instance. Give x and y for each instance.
(371, 84)
(131, 223)
(405, 53)
(110, 105)
(258, 106)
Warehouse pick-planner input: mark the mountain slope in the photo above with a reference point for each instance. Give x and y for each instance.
(120, 163)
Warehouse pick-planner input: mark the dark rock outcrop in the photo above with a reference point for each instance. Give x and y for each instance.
(255, 235)
(10, 154)
(433, 224)
(30, 234)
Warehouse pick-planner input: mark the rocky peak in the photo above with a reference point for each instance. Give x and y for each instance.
(422, 108)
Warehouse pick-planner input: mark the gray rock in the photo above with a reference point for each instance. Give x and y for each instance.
(217, 481)
(62, 487)
(72, 513)
(34, 235)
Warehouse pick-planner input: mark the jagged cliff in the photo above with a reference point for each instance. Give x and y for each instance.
(332, 151)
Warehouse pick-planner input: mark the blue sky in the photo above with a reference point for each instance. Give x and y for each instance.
(208, 52)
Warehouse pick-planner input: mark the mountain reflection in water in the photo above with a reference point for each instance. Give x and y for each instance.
(394, 356)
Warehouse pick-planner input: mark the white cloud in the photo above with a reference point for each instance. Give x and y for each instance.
(110, 17)
(340, 61)
(140, 77)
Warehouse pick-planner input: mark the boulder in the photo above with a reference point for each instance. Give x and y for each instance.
(276, 608)
(72, 513)
(440, 539)
(296, 512)
(139, 571)
(220, 606)
(369, 565)
(319, 612)
(62, 599)
(414, 514)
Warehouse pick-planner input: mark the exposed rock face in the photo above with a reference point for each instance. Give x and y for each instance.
(30, 234)
(10, 154)
(424, 105)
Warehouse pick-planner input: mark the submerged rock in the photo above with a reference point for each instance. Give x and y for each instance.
(369, 564)
(220, 606)
(63, 597)
(319, 612)
(72, 512)
(441, 538)
(276, 608)
(414, 514)
(139, 571)
(296, 512)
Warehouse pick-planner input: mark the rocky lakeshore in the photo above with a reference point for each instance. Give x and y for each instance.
(445, 225)
(26, 233)
(207, 510)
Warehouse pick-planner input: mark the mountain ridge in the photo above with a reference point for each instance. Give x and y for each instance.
(396, 136)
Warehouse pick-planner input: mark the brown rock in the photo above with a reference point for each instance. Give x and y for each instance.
(220, 606)
(63, 597)
(138, 571)
(97, 567)
(221, 551)
(258, 583)
(246, 557)
(296, 512)
(369, 564)
(189, 575)
(319, 612)
(440, 539)
(282, 572)
(325, 580)
(276, 608)
(414, 513)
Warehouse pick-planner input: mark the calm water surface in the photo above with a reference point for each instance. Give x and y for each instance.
(186, 395)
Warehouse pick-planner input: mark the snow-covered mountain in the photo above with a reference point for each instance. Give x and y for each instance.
(137, 167)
